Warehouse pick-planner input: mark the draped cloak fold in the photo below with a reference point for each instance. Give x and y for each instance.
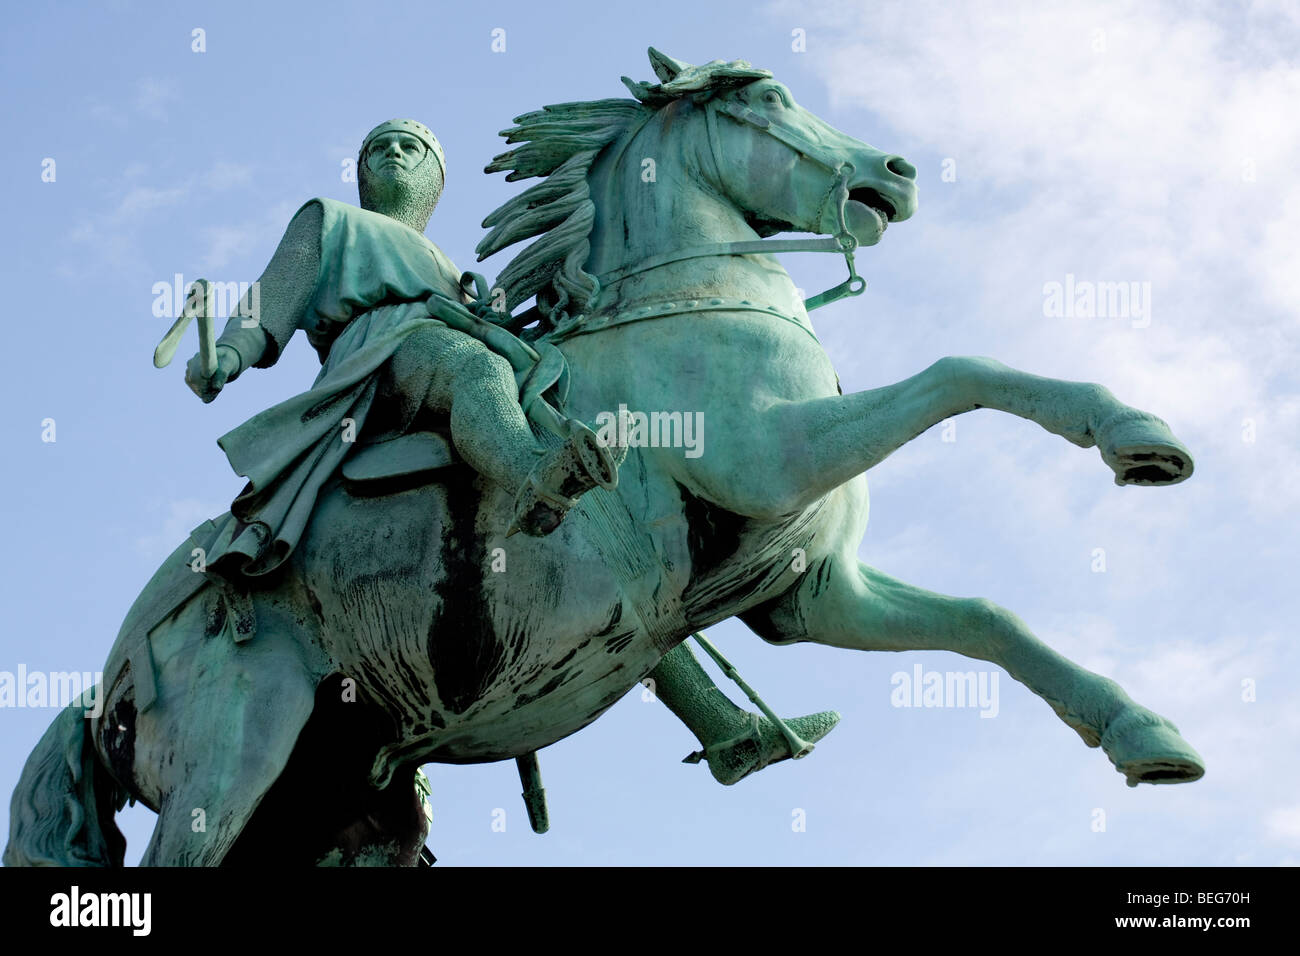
(374, 276)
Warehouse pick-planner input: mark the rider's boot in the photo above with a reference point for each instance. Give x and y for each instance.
(564, 474)
(759, 744)
(735, 742)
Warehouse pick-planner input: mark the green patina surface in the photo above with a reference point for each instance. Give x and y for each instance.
(367, 605)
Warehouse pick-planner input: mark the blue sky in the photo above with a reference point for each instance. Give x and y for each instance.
(1151, 143)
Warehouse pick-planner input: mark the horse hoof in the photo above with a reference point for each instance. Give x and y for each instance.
(1146, 748)
(1141, 450)
(762, 745)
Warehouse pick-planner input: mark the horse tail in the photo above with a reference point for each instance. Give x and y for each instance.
(62, 810)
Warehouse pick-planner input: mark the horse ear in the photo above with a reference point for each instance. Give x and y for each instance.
(665, 67)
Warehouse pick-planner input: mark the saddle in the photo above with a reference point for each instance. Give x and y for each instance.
(381, 467)
(391, 463)
(394, 463)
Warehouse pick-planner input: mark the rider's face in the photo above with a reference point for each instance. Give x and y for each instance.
(390, 154)
(398, 177)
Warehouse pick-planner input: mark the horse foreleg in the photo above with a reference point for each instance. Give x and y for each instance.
(820, 444)
(848, 604)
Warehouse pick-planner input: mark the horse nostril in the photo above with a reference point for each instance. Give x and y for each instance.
(900, 167)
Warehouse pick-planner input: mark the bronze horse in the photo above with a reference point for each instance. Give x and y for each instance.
(391, 640)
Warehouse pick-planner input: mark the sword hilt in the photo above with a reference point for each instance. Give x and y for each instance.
(530, 775)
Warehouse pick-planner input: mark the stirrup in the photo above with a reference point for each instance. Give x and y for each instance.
(760, 745)
(561, 477)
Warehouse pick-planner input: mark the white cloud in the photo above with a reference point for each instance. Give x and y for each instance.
(145, 199)
(1133, 156)
(114, 234)
(1284, 823)
(225, 175)
(233, 241)
(1160, 150)
(152, 97)
(1157, 150)
(177, 519)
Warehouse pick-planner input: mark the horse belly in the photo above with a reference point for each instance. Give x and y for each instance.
(479, 647)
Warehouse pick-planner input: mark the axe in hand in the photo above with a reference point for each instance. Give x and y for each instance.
(198, 305)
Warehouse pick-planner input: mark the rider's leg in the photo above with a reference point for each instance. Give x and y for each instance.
(488, 427)
(735, 742)
(447, 371)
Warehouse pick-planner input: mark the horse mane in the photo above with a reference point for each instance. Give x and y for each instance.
(560, 143)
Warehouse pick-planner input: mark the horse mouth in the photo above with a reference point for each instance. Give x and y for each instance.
(874, 201)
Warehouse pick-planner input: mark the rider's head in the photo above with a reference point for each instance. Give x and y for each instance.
(400, 172)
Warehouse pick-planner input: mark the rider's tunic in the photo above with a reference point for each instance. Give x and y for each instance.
(368, 297)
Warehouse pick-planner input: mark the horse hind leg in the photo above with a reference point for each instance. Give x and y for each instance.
(854, 606)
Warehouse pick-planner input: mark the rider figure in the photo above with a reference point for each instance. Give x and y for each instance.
(356, 281)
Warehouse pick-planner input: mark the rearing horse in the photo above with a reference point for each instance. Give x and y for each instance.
(406, 628)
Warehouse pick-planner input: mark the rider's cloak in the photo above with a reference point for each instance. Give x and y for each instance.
(369, 292)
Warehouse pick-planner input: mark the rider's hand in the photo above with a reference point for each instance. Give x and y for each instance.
(208, 388)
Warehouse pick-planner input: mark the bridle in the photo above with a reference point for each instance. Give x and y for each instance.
(843, 242)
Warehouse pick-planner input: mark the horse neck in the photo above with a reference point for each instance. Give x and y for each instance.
(682, 206)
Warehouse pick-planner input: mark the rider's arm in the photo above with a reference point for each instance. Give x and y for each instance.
(283, 295)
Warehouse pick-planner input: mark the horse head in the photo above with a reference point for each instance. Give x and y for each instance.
(790, 170)
(712, 155)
